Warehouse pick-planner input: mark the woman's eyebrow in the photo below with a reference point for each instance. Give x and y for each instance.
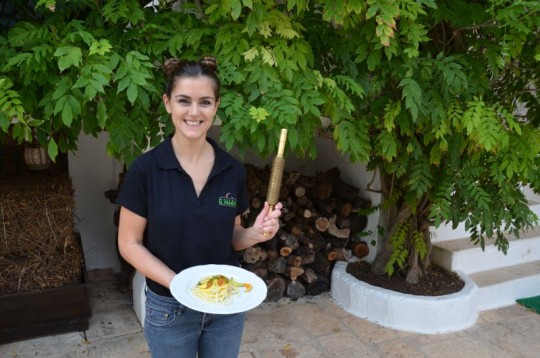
(185, 96)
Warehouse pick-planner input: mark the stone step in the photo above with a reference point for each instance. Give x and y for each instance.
(502, 286)
(462, 255)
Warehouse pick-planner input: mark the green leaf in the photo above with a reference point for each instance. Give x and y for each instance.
(101, 114)
(68, 56)
(373, 60)
(74, 104)
(123, 84)
(420, 179)
(62, 87)
(412, 94)
(100, 47)
(132, 92)
(236, 9)
(60, 104)
(392, 110)
(67, 115)
(259, 114)
(261, 141)
(52, 149)
(388, 145)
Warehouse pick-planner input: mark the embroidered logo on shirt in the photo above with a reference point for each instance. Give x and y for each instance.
(227, 200)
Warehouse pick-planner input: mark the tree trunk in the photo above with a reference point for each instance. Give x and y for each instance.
(380, 261)
(391, 220)
(414, 272)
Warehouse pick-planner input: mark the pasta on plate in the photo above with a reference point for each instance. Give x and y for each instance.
(219, 288)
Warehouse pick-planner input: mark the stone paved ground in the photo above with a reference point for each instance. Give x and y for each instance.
(313, 327)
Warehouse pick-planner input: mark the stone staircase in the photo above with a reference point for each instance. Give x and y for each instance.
(501, 278)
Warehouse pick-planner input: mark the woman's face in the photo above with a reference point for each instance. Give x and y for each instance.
(192, 106)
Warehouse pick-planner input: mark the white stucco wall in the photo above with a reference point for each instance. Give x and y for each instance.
(93, 172)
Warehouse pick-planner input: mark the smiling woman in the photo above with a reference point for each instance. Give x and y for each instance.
(180, 208)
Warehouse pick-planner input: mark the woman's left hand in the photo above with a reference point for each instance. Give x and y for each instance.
(267, 222)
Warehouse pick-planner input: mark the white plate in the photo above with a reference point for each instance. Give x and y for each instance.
(183, 282)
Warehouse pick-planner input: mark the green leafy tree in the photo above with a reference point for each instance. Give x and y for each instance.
(437, 97)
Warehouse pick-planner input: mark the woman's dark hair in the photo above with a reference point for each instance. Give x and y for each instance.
(176, 69)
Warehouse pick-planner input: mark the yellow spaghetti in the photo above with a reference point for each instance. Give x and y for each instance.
(218, 289)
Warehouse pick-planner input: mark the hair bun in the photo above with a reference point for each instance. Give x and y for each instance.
(170, 65)
(210, 62)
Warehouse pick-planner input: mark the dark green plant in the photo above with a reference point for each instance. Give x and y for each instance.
(430, 94)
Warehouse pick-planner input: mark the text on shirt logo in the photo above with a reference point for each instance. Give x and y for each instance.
(227, 200)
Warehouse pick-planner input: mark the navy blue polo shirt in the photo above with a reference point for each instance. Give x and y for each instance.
(184, 230)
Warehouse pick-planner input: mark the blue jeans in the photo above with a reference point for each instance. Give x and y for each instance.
(173, 330)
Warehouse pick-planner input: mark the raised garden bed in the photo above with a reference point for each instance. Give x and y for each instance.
(45, 312)
(43, 284)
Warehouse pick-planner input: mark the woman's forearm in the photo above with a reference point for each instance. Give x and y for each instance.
(146, 263)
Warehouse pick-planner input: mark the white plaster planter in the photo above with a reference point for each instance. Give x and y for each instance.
(420, 314)
(139, 296)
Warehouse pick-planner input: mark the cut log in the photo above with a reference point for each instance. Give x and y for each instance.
(323, 191)
(256, 202)
(337, 232)
(343, 222)
(293, 272)
(284, 191)
(254, 254)
(305, 213)
(287, 213)
(291, 178)
(358, 223)
(321, 265)
(249, 217)
(272, 248)
(260, 269)
(287, 239)
(315, 241)
(304, 202)
(275, 288)
(323, 208)
(271, 244)
(324, 188)
(289, 243)
(360, 249)
(322, 284)
(333, 241)
(322, 223)
(295, 290)
(307, 255)
(306, 181)
(299, 191)
(252, 179)
(344, 208)
(343, 189)
(272, 255)
(285, 251)
(294, 260)
(361, 203)
(297, 230)
(278, 265)
(330, 254)
(309, 276)
(342, 254)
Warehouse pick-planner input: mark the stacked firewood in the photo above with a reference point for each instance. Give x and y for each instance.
(320, 223)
